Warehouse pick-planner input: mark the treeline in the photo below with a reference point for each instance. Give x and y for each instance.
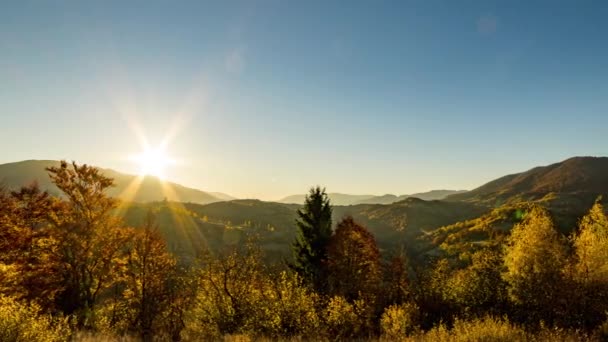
(69, 267)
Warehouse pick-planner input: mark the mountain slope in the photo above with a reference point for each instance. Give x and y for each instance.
(14, 175)
(581, 176)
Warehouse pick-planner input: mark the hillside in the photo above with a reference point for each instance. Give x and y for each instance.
(189, 227)
(580, 176)
(14, 175)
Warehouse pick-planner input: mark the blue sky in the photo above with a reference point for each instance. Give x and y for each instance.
(264, 99)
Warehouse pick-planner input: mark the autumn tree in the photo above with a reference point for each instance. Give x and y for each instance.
(28, 247)
(314, 232)
(590, 265)
(90, 241)
(534, 259)
(354, 261)
(151, 274)
(396, 286)
(479, 289)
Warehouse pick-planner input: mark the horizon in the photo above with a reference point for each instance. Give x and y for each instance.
(265, 99)
(303, 193)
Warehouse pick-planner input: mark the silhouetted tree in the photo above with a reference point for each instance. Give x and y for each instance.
(151, 272)
(314, 232)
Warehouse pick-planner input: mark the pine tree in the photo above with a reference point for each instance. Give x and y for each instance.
(314, 232)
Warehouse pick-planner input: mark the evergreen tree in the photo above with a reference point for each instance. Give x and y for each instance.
(314, 232)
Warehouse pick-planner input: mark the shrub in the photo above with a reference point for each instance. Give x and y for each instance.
(398, 321)
(344, 319)
(21, 322)
(488, 329)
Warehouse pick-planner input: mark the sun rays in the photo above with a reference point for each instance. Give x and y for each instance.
(153, 162)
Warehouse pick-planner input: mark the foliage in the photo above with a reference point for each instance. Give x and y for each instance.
(89, 239)
(26, 323)
(478, 330)
(344, 319)
(399, 321)
(534, 259)
(314, 231)
(590, 266)
(353, 261)
(237, 296)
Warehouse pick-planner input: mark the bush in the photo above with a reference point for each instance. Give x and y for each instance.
(398, 321)
(21, 322)
(343, 319)
(488, 329)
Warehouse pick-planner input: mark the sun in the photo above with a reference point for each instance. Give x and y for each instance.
(153, 162)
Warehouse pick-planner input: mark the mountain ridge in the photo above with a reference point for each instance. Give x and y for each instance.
(16, 174)
(576, 175)
(350, 199)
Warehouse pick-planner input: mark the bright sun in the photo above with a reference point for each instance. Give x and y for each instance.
(153, 162)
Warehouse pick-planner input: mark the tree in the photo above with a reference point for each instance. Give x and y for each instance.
(354, 261)
(90, 241)
(30, 271)
(151, 272)
(590, 266)
(314, 232)
(534, 259)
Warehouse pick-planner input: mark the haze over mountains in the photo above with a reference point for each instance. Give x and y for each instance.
(346, 199)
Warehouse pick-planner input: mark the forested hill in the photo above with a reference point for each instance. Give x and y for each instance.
(580, 176)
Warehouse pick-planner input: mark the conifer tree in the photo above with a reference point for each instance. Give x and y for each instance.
(314, 232)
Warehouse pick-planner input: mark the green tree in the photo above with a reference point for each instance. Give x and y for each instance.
(314, 232)
(534, 259)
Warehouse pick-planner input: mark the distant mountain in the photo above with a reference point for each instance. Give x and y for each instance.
(336, 198)
(579, 176)
(14, 175)
(427, 196)
(346, 199)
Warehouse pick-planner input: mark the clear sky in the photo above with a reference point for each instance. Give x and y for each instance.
(264, 99)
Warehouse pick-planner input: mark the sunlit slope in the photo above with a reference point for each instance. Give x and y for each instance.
(150, 189)
(579, 176)
(491, 228)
